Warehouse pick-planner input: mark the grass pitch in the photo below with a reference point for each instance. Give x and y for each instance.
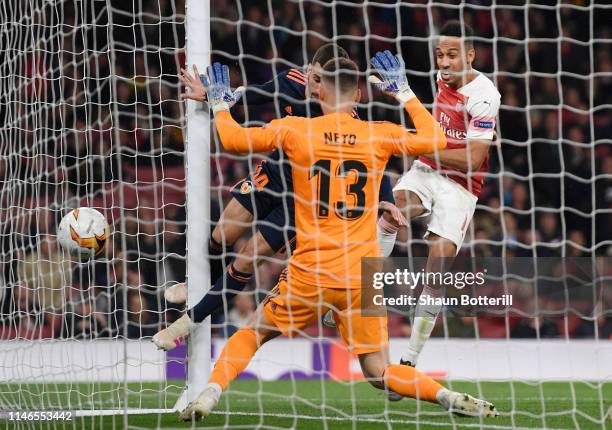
(315, 404)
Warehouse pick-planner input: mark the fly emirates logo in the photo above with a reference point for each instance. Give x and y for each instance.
(450, 132)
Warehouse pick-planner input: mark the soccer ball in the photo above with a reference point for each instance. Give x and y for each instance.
(83, 232)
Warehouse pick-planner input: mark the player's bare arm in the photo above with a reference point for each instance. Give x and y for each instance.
(469, 158)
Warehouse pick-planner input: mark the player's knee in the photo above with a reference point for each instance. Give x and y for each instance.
(373, 368)
(234, 222)
(225, 234)
(250, 255)
(374, 375)
(217, 234)
(262, 248)
(244, 262)
(441, 248)
(265, 335)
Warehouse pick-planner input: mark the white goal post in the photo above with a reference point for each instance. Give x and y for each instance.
(198, 50)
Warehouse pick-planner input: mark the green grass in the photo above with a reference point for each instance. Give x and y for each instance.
(317, 405)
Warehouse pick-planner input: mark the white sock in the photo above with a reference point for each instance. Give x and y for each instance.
(216, 387)
(444, 399)
(387, 233)
(423, 325)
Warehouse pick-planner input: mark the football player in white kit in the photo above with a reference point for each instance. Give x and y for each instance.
(445, 186)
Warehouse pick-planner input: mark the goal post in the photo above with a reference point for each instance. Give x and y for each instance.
(198, 147)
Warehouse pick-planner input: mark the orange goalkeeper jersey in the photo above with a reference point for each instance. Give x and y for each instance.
(337, 163)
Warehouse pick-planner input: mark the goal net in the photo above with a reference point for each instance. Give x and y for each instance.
(92, 117)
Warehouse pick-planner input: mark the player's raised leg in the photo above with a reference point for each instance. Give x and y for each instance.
(414, 204)
(235, 221)
(235, 278)
(423, 191)
(224, 290)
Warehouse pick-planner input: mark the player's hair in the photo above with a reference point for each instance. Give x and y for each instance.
(455, 28)
(327, 52)
(342, 72)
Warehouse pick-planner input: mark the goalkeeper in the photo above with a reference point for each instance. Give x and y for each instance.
(337, 162)
(266, 196)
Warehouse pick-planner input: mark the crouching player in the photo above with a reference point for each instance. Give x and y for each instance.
(337, 164)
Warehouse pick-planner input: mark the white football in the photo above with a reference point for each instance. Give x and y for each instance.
(83, 232)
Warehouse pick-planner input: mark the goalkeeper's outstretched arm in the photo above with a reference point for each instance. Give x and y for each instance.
(236, 138)
(428, 137)
(256, 94)
(233, 136)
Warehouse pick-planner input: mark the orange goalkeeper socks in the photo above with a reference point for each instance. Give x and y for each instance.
(410, 382)
(235, 357)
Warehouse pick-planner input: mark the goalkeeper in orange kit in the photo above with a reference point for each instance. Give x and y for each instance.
(337, 164)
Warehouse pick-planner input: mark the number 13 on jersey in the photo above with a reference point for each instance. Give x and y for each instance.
(355, 174)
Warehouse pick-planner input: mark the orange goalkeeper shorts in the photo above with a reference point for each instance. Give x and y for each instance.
(292, 308)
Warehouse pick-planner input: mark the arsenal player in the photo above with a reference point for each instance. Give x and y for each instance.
(446, 185)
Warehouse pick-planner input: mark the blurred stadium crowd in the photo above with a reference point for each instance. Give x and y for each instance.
(100, 124)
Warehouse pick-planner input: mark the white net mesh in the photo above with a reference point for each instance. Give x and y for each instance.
(92, 118)
(544, 196)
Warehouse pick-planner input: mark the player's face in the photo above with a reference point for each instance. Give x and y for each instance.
(326, 89)
(315, 71)
(453, 60)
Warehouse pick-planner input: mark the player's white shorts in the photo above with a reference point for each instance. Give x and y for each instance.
(450, 205)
